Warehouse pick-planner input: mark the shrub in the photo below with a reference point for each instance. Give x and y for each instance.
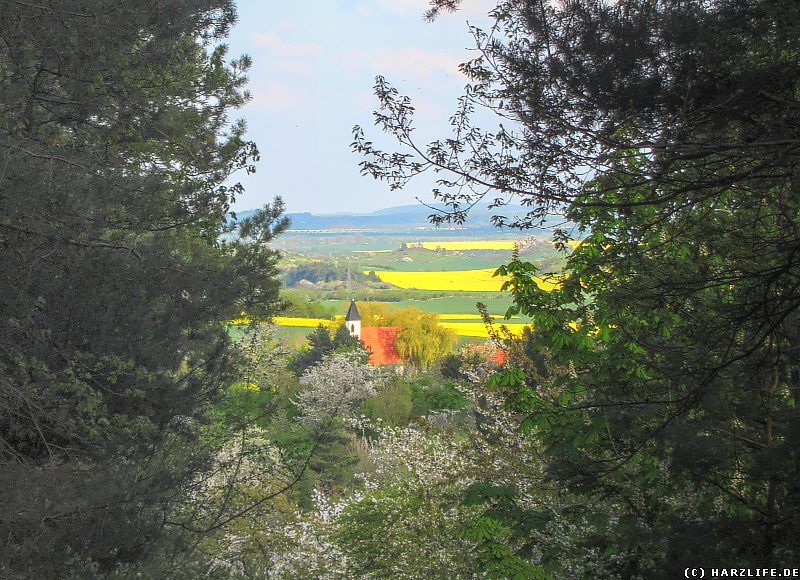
(393, 404)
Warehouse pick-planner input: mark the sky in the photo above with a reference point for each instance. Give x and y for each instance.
(314, 66)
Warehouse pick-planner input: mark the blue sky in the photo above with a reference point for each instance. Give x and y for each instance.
(314, 65)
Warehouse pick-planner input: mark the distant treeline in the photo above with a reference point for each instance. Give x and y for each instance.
(323, 272)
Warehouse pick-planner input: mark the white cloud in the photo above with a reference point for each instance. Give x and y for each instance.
(285, 56)
(277, 45)
(412, 63)
(278, 97)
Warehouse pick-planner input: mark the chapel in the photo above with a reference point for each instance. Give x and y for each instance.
(380, 341)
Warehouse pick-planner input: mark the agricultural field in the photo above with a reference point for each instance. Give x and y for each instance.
(467, 245)
(417, 256)
(467, 324)
(446, 274)
(506, 244)
(479, 330)
(497, 304)
(298, 321)
(483, 280)
(417, 259)
(295, 335)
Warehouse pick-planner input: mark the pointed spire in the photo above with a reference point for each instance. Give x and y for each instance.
(352, 312)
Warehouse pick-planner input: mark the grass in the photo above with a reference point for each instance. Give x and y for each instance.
(419, 259)
(432, 256)
(497, 304)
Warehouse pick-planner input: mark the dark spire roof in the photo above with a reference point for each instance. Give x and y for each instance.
(352, 313)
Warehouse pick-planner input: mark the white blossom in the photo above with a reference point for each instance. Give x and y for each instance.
(335, 387)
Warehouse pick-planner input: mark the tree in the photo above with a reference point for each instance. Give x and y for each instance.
(668, 133)
(422, 340)
(321, 344)
(335, 388)
(115, 151)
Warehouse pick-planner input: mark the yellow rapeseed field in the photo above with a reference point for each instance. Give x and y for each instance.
(308, 322)
(478, 329)
(240, 321)
(460, 316)
(471, 329)
(572, 243)
(288, 321)
(466, 280)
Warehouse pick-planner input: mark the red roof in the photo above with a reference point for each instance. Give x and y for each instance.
(380, 341)
(499, 357)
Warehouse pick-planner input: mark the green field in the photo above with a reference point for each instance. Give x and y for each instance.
(497, 304)
(417, 259)
(434, 261)
(344, 257)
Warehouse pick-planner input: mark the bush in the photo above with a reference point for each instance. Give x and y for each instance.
(450, 366)
(302, 306)
(393, 404)
(427, 397)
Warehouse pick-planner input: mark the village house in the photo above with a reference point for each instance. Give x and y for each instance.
(380, 341)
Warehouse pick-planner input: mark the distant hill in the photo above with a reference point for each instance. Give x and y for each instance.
(391, 218)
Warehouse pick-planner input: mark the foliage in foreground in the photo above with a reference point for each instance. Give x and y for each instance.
(302, 484)
(115, 148)
(670, 376)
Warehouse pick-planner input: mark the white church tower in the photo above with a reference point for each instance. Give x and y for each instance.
(353, 320)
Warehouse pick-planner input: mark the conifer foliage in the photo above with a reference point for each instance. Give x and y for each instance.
(115, 153)
(669, 133)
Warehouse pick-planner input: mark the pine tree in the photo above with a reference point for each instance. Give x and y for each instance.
(115, 154)
(669, 134)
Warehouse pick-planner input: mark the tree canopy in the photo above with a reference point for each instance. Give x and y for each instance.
(321, 344)
(667, 134)
(421, 341)
(116, 149)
